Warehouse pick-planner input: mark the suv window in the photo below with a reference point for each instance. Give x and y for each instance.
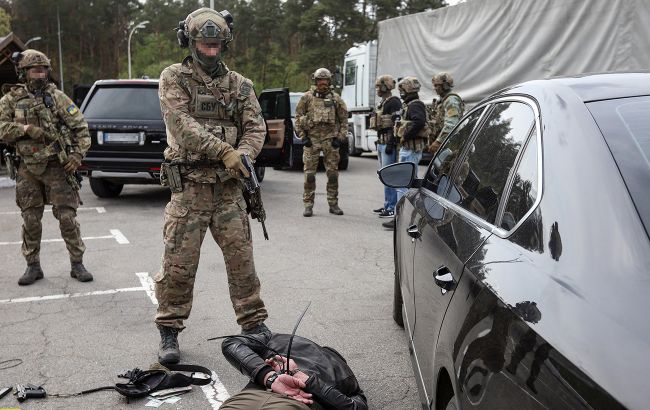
(625, 124)
(524, 187)
(437, 178)
(479, 181)
(124, 103)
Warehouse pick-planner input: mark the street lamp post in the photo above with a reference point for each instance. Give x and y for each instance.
(141, 24)
(32, 39)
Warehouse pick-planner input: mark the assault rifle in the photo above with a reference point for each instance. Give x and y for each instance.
(253, 194)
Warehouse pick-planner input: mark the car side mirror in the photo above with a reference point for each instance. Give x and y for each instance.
(401, 175)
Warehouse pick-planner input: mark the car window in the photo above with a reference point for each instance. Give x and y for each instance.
(479, 180)
(625, 124)
(350, 72)
(437, 176)
(524, 187)
(124, 103)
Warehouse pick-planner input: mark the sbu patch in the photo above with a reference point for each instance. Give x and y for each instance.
(72, 109)
(245, 89)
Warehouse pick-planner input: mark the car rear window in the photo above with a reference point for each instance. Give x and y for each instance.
(124, 103)
(625, 124)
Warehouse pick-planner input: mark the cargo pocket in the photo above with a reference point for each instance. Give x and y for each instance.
(244, 218)
(175, 226)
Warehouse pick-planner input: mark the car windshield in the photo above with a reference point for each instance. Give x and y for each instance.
(124, 103)
(625, 123)
(294, 102)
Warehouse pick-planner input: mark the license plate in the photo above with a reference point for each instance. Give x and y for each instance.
(122, 138)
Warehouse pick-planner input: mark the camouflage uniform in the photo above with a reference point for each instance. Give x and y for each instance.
(41, 178)
(446, 112)
(321, 118)
(206, 117)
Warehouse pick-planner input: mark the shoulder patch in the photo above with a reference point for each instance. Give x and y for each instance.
(72, 109)
(245, 88)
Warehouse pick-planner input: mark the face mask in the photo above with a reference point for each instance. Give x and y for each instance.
(36, 83)
(209, 64)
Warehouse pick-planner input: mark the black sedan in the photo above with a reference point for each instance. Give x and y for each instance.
(522, 257)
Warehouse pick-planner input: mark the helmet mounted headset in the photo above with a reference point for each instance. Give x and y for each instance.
(206, 24)
(24, 60)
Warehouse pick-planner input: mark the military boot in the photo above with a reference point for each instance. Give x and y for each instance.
(308, 211)
(80, 273)
(334, 209)
(168, 351)
(32, 274)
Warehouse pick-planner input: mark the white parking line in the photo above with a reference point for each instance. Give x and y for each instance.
(98, 209)
(70, 295)
(215, 392)
(115, 234)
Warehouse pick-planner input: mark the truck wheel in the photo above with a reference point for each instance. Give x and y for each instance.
(352, 149)
(260, 172)
(105, 189)
(397, 303)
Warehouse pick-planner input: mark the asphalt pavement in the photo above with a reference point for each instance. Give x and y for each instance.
(70, 336)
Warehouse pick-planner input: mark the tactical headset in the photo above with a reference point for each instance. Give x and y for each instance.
(184, 37)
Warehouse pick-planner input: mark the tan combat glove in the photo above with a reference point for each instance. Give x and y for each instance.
(232, 160)
(74, 161)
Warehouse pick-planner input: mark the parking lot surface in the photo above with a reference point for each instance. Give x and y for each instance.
(70, 336)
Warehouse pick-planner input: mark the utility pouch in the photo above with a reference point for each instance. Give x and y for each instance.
(170, 176)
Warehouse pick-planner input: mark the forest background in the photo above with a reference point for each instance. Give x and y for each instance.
(278, 43)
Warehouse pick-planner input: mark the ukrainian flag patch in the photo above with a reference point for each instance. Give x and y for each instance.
(72, 109)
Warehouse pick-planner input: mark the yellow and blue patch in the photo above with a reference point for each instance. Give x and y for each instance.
(72, 109)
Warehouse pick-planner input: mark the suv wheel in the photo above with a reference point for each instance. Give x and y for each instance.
(105, 189)
(260, 172)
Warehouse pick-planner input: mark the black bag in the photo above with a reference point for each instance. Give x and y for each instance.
(143, 382)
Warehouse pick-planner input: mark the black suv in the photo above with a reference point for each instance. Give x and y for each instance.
(127, 132)
(128, 135)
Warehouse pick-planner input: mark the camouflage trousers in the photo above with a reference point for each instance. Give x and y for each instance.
(310, 156)
(221, 208)
(32, 193)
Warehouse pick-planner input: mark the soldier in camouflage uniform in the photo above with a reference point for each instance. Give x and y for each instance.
(446, 111)
(212, 118)
(31, 116)
(322, 122)
(412, 129)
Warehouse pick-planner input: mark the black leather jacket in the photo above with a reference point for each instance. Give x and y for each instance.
(331, 381)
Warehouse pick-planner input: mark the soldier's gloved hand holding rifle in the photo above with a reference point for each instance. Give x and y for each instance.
(232, 159)
(74, 161)
(35, 133)
(253, 193)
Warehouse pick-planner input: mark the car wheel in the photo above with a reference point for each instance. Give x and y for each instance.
(397, 303)
(296, 157)
(345, 158)
(352, 149)
(260, 172)
(105, 189)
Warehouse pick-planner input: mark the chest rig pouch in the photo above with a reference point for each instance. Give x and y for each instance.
(33, 111)
(324, 111)
(215, 115)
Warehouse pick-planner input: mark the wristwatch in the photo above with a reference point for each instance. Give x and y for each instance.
(270, 380)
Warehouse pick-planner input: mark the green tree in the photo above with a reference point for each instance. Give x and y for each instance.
(5, 22)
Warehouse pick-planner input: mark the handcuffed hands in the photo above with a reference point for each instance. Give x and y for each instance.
(292, 387)
(74, 161)
(278, 363)
(232, 160)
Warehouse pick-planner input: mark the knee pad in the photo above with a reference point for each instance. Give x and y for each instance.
(65, 214)
(332, 178)
(310, 178)
(32, 216)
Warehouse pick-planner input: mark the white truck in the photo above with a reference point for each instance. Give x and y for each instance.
(488, 45)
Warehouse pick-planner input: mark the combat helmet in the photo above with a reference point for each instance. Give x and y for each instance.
(28, 59)
(408, 85)
(444, 79)
(206, 25)
(321, 74)
(385, 83)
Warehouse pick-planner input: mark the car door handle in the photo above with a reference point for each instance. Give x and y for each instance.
(443, 278)
(414, 231)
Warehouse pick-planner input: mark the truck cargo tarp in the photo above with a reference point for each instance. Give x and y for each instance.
(490, 44)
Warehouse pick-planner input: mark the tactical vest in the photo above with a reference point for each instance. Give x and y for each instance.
(214, 104)
(382, 123)
(420, 139)
(31, 110)
(321, 112)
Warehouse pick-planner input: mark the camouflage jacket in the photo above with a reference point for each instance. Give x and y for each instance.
(19, 107)
(445, 115)
(204, 116)
(321, 116)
